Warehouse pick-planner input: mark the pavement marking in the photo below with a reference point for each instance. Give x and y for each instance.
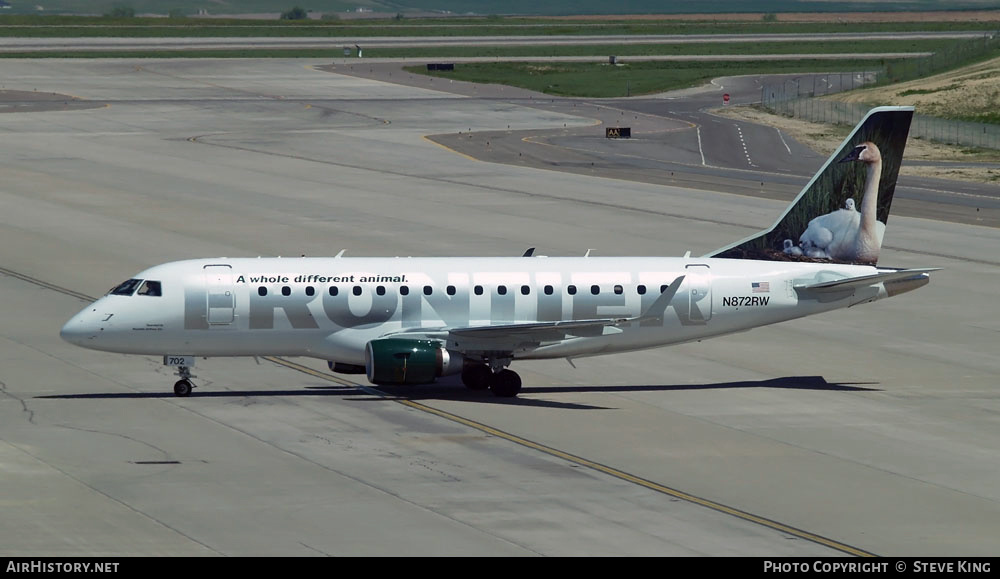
(787, 148)
(610, 471)
(447, 148)
(700, 150)
(743, 143)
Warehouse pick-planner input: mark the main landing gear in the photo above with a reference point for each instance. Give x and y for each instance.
(183, 386)
(504, 383)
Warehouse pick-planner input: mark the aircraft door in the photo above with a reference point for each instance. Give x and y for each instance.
(699, 286)
(221, 296)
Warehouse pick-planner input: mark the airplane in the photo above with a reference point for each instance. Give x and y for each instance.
(411, 320)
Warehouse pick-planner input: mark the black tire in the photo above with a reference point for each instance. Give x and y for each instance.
(506, 384)
(477, 376)
(183, 388)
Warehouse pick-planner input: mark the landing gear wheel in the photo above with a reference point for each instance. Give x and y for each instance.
(506, 384)
(477, 377)
(183, 388)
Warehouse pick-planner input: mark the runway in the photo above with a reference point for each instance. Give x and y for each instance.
(866, 431)
(323, 40)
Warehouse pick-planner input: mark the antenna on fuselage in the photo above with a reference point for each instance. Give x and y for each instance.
(528, 252)
(341, 254)
(588, 253)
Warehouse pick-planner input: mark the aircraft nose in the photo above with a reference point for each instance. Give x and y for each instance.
(81, 329)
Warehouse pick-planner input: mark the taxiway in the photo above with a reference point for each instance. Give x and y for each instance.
(866, 431)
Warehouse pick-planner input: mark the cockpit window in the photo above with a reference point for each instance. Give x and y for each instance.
(126, 288)
(149, 288)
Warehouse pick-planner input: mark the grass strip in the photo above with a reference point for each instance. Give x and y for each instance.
(602, 80)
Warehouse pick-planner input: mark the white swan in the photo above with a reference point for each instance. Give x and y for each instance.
(849, 204)
(846, 234)
(823, 230)
(863, 241)
(816, 253)
(791, 249)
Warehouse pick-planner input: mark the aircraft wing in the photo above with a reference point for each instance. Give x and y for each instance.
(511, 337)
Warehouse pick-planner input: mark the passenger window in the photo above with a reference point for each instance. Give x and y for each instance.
(404, 290)
(595, 289)
(619, 290)
(451, 290)
(333, 290)
(262, 291)
(640, 289)
(502, 290)
(428, 290)
(663, 288)
(525, 290)
(149, 288)
(478, 290)
(310, 290)
(357, 290)
(548, 290)
(571, 290)
(286, 291)
(380, 290)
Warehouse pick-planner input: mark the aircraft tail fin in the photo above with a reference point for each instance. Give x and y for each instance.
(840, 215)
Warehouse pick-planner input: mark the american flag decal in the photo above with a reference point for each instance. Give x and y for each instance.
(761, 287)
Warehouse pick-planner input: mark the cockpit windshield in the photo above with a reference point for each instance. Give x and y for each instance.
(126, 288)
(149, 288)
(146, 288)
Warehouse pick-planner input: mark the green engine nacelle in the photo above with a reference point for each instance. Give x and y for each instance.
(402, 361)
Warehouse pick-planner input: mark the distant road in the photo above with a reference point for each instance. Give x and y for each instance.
(9, 45)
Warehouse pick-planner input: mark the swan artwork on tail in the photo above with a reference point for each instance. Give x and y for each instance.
(823, 231)
(840, 215)
(846, 234)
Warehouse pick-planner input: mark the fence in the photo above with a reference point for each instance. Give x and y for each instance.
(983, 135)
(798, 97)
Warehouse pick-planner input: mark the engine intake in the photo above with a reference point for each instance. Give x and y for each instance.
(403, 361)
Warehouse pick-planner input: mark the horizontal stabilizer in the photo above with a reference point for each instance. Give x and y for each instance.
(866, 280)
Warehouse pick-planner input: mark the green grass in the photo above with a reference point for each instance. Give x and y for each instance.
(607, 81)
(928, 90)
(986, 117)
(484, 7)
(324, 53)
(600, 51)
(576, 79)
(68, 26)
(671, 49)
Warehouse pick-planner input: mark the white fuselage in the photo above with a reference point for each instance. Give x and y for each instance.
(329, 308)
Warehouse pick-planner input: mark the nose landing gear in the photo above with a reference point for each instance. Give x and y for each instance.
(184, 386)
(183, 364)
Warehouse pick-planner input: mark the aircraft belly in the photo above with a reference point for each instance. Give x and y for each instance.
(244, 343)
(635, 338)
